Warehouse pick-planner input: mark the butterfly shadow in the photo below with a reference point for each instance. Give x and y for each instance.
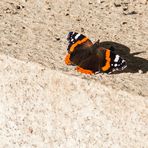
(134, 63)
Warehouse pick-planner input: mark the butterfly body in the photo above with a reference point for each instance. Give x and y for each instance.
(91, 58)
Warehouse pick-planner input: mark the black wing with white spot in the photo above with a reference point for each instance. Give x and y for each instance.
(117, 63)
(76, 40)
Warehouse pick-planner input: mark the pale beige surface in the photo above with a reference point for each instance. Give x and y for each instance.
(44, 103)
(45, 108)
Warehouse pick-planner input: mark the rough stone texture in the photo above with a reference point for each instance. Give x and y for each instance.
(45, 108)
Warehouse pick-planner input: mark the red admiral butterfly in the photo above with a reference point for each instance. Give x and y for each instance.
(91, 58)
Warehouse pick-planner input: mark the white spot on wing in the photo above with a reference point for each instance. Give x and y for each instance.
(115, 65)
(77, 36)
(123, 61)
(116, 58)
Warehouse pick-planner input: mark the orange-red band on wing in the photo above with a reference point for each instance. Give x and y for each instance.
(67, 59)
(79, 69)
(77, 43)
(108, 60)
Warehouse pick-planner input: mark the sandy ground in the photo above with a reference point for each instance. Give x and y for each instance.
(44, 103)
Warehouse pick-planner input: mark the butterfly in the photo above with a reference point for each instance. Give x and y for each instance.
(91, 58)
